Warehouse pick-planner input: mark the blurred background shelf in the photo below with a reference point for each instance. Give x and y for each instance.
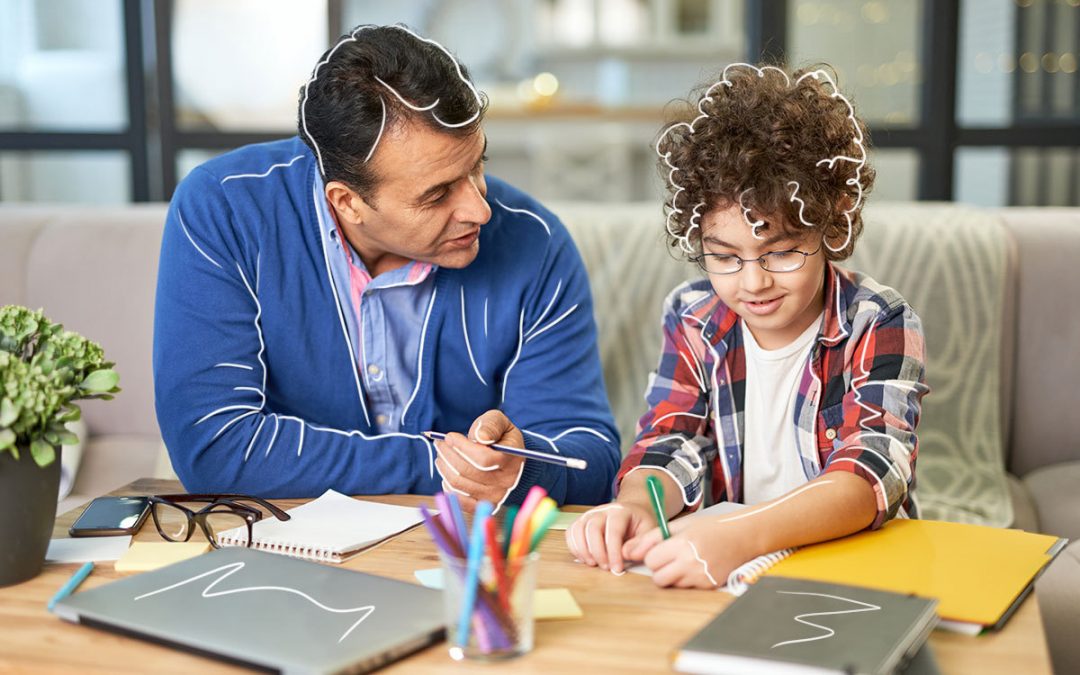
(968, 100)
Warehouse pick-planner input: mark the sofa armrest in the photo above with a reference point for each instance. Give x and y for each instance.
(1047, 366)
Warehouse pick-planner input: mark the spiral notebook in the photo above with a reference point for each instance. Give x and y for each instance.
(742, 576)
(332, 528)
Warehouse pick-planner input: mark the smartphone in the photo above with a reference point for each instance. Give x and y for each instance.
(107, 516)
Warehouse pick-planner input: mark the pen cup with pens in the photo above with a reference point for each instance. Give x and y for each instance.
(500, 625)
(489, 573)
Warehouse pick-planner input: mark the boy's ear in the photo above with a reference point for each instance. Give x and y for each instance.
(347, 204)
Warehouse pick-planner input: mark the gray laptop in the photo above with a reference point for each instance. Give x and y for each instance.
(267, 611)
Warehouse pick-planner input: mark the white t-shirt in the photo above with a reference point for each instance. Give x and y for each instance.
(771, 462)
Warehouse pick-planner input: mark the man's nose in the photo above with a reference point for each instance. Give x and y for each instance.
(473, 207)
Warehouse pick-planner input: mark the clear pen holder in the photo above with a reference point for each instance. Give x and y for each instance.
(499, 617)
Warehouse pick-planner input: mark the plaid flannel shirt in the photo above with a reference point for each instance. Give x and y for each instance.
(857, 407)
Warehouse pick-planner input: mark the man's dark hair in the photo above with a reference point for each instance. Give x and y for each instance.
(345, 109)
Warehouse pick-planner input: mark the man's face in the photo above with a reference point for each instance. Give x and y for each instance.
(429, 202)
(776, 306)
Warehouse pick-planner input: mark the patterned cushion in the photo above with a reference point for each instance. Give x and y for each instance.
(631, 272)
(953, 264)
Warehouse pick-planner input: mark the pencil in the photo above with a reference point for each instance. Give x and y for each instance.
(568, 462)
(72, 583)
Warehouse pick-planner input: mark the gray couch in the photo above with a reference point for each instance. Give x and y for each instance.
(998, 443)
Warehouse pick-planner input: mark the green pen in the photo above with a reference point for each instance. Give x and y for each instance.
(656, 495)
(508, 526)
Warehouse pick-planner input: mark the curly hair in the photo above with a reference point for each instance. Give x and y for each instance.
(758, 138)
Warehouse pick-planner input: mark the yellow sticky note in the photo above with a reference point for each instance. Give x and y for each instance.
(144, 556)
(555, 603)
(564, 520)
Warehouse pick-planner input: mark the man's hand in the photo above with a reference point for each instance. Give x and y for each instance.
(475, 472)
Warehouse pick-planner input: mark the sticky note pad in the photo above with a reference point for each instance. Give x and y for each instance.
(548, 603)
(432, 578)
(144, 556)
(564, 520)
(555, 603)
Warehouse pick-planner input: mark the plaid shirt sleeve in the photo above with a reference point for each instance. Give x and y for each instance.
(876, 438)
(674, 435)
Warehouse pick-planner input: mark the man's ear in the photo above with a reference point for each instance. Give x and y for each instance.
(347, 204)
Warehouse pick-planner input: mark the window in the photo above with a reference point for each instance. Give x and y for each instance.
(67, 132)
(86, 177)
(226, 74)
(62, 66)
(973, 100)
(873, 45)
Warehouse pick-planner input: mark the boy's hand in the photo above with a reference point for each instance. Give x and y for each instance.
(700, 553)
(597, 537)
(474, 471)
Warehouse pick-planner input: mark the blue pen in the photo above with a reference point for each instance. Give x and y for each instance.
(72, 583)
(472, 574)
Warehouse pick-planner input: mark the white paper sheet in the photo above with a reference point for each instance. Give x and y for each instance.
(87, 549)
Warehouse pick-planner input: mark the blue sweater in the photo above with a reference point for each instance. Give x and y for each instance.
(255, 379)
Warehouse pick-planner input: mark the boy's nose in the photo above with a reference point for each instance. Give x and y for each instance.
(755, 278)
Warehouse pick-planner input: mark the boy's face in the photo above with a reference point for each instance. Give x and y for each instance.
(776, 306)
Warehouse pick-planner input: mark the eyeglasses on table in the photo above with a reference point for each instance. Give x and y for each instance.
(177, 515)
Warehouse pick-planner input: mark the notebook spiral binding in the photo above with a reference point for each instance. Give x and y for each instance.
(284, 548)
(747, 573)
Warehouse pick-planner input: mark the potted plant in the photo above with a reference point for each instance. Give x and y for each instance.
(44, 369)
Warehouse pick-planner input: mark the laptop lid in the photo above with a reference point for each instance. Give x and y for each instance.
(268, 611)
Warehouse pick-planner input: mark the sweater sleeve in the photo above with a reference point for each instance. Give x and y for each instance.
(553, 390)
(211, 369)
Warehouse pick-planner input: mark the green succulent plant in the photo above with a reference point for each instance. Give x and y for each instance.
(44, 369)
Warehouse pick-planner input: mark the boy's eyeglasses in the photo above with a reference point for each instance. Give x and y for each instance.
(223, 512)
(777, 261)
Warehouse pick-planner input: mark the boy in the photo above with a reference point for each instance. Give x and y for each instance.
(795, 383)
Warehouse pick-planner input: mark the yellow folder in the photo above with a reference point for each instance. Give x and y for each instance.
(977, 573)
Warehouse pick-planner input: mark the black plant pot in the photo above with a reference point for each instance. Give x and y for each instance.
(27, 514)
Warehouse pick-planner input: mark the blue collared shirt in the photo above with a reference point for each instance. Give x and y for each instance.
(386, 327)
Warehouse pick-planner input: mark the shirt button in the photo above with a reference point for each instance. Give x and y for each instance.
(830, 434)
(373, 369)
(381, 420)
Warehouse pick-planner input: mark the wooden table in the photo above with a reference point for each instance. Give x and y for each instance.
(629, 624)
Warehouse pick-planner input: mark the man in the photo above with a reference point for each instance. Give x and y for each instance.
(324, 300)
